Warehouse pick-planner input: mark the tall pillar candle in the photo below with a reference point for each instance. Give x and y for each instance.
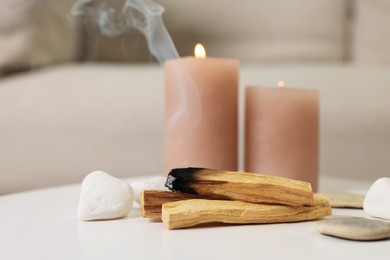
(201, 113)
(281, 132)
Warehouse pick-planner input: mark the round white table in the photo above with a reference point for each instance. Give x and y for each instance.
(42, 224)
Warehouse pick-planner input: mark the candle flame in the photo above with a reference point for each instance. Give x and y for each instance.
(281, 83)
(200, 52)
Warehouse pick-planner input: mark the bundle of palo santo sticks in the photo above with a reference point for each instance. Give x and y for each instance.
(200, 195)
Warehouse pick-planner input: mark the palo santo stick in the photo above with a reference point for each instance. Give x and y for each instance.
(188, 213)
(248, 187)
(152, 200)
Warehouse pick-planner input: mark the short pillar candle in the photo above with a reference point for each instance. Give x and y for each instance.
(281, 132)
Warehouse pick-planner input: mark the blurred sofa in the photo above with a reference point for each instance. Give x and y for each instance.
(73, 100)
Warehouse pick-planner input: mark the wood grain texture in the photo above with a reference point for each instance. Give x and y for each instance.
(242, 186)
(188, 213)
(152, 200)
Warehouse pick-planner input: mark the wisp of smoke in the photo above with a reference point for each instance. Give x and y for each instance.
(146, 17)
(142, 15)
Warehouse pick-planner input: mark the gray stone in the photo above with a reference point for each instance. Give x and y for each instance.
(354, 228)
(340, 199)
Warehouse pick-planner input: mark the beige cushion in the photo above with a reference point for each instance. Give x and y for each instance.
(371, 32)
(129, 47)
(253, 31)
(260, 31)
(35, 33)
(59, 124)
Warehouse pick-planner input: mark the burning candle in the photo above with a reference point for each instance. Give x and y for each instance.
(201, 96)
(281, 132)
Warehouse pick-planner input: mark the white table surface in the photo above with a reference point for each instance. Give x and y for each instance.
(42, 224)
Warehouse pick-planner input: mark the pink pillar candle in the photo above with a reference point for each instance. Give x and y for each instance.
(281, 132)
(201, 97)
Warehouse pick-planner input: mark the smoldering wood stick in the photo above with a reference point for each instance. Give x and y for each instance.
(242, 186)
(152, 200)
(188, 213)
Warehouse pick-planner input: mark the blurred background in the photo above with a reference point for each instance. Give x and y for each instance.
(43, 32)
(74, 99)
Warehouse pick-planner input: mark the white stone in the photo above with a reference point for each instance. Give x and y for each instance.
(377, 201)
(104, 197)
(156, 183)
